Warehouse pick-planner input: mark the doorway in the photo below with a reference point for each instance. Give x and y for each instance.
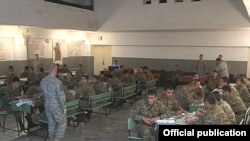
(102, 58)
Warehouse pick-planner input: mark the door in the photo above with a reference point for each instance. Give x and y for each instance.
(102, 58)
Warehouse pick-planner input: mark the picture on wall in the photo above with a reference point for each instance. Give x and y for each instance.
(42, 47)
(58, 49)
(6, 45)
(76, 48)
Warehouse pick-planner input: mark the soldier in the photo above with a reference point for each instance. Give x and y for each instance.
(55, 104)
(172, 105)
(225, 107)
(200, 66)
(10, 76)
(148, 73)
(243, 91)
(140, 79)
(225, 81)
(222, 68)
(102, 77)
(32, 77)
(25, 72)
(213, 81)
(186, 94)
(213, 115)
(64, 69)
(13, 93)
(127, 78)
(98, 85)
(37, 64)
(177, 73)
(34, 94)
(79, 73)
(236, 103)
(83, 91)
(146, 112)
(69, 82)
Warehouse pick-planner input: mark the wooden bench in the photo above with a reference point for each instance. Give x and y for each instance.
(102, 100)
(73, 109)
(127, 92)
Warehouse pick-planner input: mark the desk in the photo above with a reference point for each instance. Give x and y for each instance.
(23, 80)
(194, 107)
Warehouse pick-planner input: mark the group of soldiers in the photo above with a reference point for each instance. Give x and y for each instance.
(225, 103)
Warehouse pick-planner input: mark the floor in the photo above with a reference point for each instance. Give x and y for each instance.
(100, 128)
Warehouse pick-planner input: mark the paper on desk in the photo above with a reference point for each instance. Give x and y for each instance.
(24, 101)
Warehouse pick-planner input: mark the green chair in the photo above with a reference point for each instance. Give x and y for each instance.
(247, 117)
(132, 134)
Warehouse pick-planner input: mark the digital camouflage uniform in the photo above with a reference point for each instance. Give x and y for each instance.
(70, 84)
(214, 116)
(149, 75)
(117, 86)
(228, 110)
(99, 87)
(244, 94)
(185, 97)
(172, 105)
(11, 95)
(84, 92)
(143, 109)
(237, 105)
(55, 103)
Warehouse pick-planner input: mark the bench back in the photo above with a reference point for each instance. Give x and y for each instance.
(128, 90)
(72, 105)
(100, 98)
(150, 84)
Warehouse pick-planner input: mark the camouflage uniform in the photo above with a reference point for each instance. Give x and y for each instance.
(214, 116)
(244, 94)
(141, 80)
(185, 97)
(143, 109)
(128, 80)
(212, 83)
(103, 79)
(70, 84)
(237, 105)
(9, 78)
(117, 86)
(32, 77)
(11, 95)
(172, 105)
(32, 91)
(99, 87)
(175, 77)
(37, 65)
(234, 91)
(68, 95)
(79, 74)
(24, 74)
(228, 110)
(55, 103)
(149, 75)
(200, 67)
(84, 92)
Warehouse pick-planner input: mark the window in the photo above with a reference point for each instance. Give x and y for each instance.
(196, 0)
(162, 1)
(85, 4)
(178, 0)
(146, 1)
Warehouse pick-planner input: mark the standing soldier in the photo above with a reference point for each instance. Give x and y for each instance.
(37, 64)
(200, 66)
(55, 104)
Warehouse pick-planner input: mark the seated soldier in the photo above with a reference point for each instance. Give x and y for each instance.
(9, 77)
(172, 105)
(213, 115)
(69, 82)
(140, 79)
(146, 112)
(25, 72)
(98, 86)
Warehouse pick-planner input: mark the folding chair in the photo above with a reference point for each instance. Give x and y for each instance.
(132, 134)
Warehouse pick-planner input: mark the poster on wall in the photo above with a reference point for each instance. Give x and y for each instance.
(76, 48)
(58, 49)
(6, 44)
(42, 47)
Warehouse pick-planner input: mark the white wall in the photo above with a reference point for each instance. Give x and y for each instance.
(39, 13)
(125, 15)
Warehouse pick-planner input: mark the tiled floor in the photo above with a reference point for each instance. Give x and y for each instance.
(100, 128)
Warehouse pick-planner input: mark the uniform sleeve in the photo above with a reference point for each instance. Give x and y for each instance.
(163, 111)
(61, 95)
(135, 112)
